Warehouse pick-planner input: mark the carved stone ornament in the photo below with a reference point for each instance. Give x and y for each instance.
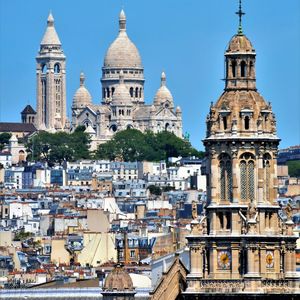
(288, 212)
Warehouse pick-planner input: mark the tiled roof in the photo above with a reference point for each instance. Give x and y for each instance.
(28, 110)
(16, 127)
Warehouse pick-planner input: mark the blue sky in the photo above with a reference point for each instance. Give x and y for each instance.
(186, 39)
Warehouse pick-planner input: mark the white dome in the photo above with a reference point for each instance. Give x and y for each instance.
(82, 97)
(122, 53)
(121, 94)
(163, 94)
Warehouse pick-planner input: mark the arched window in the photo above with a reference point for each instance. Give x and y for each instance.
(267, 174)
(224, 122)
(233, 68)
(225, 168)
(113, 128)
(247, 169)
(112, 91)
(21, 156)
(247, 122)
(243, 69)
(140, 92)
(107, 93)
(103, 93)
(44, 69)
(56, 68)
(167, 126)
(136, 92)
(251, 69)
(131, 92)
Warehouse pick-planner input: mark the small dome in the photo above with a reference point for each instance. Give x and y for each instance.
(82, 96)
(118, 280)
(121, 94)
(240, 43)
(163, 94)
(122, 53)
(178, 110)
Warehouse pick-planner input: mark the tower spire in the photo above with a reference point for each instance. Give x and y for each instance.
(122, 21)
(240, 13)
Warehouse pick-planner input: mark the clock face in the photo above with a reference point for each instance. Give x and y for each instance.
(270, 259)
(224, 259)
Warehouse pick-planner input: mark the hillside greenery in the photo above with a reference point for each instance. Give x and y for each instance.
(59, 147)
(133, 145)
(294, 168)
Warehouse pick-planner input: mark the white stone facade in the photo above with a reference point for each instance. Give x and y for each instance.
(123, 103)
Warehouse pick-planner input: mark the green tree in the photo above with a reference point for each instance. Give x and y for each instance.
(4, 139)
(128, 145)
(154, 190)
(59, 147)
(294, 168)
(133, 145)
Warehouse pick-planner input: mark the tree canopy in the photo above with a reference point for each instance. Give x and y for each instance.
(133, 145)
(58, 147)
(4, 139)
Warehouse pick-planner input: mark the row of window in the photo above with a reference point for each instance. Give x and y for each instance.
(244, 69)
(56, 68)
(247, 177)
(124, 71)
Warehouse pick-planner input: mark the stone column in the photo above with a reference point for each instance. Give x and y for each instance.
(235, 175)
(213, 261)
(196, 261)
(252, 278)
(214, 177)
(260, 183)
(235, 259)
(290, 261)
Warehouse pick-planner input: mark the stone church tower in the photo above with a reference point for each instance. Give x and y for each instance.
(51, 81)
(242, 243)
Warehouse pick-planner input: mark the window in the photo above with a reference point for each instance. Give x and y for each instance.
(225, 169)
(247, 177)
(56, 68)
(131, 92)
(233, 68)
(243, 69)
(247, 122)
(224, 123)
(136, 92)
(44, 69)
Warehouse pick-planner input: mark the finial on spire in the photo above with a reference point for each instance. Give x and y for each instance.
(50, 20)
(240, 13)
(82, 79)
(122, 21)
(163, 78)
(121, 77)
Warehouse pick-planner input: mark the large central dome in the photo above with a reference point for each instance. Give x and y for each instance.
(122, 53)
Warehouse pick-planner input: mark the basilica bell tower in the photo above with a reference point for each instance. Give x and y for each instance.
(242, 243)
(51, 81)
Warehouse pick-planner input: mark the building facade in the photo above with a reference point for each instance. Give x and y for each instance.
(241, 245)
(122, 106)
